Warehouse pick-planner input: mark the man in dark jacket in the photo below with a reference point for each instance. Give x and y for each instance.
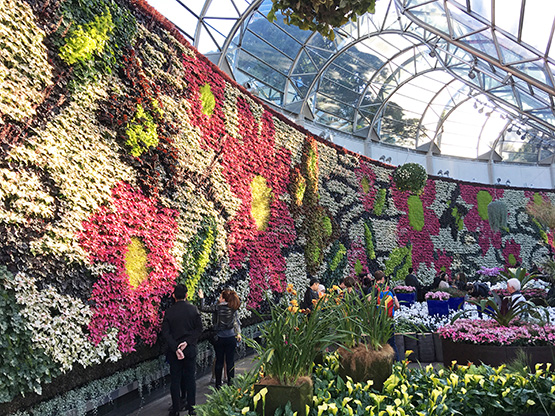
(311, 294)
(412, 280)
(181, 328)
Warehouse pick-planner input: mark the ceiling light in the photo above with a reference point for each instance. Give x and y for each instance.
(498, 180)
(481, 110)
(446, 173)
(471, 74)
(508, 182)
(432, 53)
(510, 129)
(440, 172)
(388, 160)
(382, 158)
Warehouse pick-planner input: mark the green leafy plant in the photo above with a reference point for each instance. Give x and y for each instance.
(521, 274)
(410, 177)
(369, 241)
(483, 198)
(360, 319)
(292, 338)
(88, 39)
(380, 202)
(398, 264)
(416, 212)
(320, 16)
(141, 132)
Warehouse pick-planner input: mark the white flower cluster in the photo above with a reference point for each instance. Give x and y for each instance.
(57, 322)
(417, 314)
(83, 161)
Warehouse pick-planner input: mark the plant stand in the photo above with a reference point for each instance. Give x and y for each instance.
(494, 355)
(456, 304)
(406, 299)
(438, 307)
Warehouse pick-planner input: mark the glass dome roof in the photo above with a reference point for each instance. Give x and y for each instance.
(471, 78)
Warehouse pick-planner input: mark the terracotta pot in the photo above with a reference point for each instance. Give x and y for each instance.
(362, 363)
(494, 355)
(278, 396)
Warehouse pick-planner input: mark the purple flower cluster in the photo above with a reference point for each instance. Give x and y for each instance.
(491, 272)
(404, 289)
(439, 295)
(478, 331)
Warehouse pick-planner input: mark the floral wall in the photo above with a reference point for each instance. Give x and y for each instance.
(129, 163)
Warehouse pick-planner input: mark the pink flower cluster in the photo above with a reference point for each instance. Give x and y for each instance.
(527, 293)
(404, 289)
(439, 295)
(478, 331)
(134, 312)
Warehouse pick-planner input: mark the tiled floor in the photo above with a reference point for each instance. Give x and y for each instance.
(158, 402)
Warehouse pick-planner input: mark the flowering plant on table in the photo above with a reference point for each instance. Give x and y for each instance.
(438, 295)
(404, 289)
(490, 271)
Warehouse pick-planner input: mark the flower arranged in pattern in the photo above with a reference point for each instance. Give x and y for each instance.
(107, 236)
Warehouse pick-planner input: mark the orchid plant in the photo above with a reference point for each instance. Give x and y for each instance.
(437, 295)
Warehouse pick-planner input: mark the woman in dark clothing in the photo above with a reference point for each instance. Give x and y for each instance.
(228, 331)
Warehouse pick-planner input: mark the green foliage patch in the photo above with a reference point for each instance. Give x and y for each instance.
(380, 202)
(416, 212)
(483, 198)
(23, 367)
(398, 264)
(141, 132)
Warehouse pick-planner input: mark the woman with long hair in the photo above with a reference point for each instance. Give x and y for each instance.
(228, 331)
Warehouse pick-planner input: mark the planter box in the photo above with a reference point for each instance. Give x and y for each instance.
(406, 299)
(438, 346)
(438, 307)
(426, 349)
(278, 396)
(411, 343)
(456, 304)
(493, 355)
(400, 343)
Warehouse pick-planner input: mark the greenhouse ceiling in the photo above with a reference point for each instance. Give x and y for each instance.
(471, 78)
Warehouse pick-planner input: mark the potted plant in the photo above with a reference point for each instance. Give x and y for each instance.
(405, 294)
(456, 298)
(438, 303)
(291, 340)
(365, 328)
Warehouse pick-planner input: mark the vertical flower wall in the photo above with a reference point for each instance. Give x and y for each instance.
(130, 163)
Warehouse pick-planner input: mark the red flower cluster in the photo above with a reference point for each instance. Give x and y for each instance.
(134, 312)
(253, 153)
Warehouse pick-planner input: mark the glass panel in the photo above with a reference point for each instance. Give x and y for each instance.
(266, 53)
(178, 15)
(319, 57)
(338, 92)
(220, 8)
(482, 42)
(535, 70)
(512, 51)
(332, 106)
(221, 26)
(481, 7)
(206, 43)
(538, 20)
(302, 82)
(271, 34)
(462, 23)
(304, 65)
(260, 70)
(507, 15)
(434, 15)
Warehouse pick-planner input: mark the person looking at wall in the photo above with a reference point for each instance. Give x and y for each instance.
(227, 331)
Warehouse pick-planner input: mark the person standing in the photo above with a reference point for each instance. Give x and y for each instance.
(311, 294)
(228, 331)
(181, 328)
(383, 292)
(412, 280)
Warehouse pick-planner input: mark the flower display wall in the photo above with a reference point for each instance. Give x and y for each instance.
(129, 163)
